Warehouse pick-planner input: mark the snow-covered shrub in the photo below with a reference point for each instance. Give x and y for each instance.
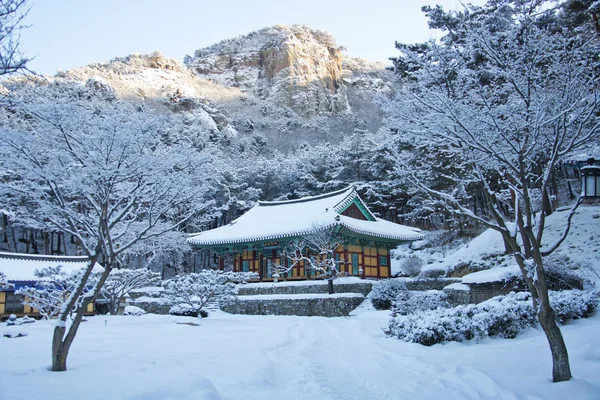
(573, 304)
(122, 281)
(503, 316)
(3, 280)
(12, 320)
(432, 273)
(182, 310)
(411, 266)
(133, 310)
(384, 292)
(190, 293)
(26, 320)
(14, 331)
(409, 302)
(13, 327)
(241, 277)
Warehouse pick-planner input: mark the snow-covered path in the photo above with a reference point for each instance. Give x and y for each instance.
(233, 357)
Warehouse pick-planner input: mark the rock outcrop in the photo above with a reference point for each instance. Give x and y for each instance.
(295, 66)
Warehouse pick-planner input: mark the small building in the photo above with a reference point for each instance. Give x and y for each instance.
(255, 242)
(20, 272)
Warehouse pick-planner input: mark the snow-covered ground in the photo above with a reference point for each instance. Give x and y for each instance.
(582, 246)
(233, 357)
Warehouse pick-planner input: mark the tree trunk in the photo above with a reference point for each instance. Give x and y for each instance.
(61, 343)
(561, 370)
(330, 286)
(114, 305)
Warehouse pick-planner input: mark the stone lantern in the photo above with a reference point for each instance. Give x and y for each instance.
(590, 179)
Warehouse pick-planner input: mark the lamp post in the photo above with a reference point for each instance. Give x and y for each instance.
(590, 179)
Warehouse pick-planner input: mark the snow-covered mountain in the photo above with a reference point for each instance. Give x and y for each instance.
(295, 66)
(290, 80)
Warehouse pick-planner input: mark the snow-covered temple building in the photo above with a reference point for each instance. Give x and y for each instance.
(19, 270)
(256, 241)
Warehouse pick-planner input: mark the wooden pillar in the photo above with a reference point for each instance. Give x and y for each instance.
(362, 262)
(347, 267)
(222, 261)
(378, 265)
(260, 265)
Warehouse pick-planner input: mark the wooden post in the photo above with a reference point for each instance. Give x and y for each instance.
(378, 265)
(362, 263)
(347, 268)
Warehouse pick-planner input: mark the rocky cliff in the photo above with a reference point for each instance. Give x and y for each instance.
(293, 66)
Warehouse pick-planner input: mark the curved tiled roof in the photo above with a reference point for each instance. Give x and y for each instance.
(21, 267)
(291, 218)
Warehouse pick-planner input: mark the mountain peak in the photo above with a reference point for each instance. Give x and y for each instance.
(296, 66)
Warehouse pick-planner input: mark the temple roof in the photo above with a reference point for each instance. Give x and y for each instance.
(292, 218)
(21, 267)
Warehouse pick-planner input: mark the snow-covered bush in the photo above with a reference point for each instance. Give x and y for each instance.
(573, 304)
(503, 316)
(411, 266)
(13, 328)
(241, 277)
(432, 273)
(122, 281)
(3, 280)
(189, 294)
(409, 302)
(134, 311)
(12, 320)
(183, 310)
(14, 331)
(384, 292)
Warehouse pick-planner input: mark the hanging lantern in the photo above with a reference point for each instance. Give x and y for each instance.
(590, 179)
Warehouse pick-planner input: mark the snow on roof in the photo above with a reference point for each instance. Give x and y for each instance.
(492, 275)
(21, 267)
(593, 152)
(272, 220)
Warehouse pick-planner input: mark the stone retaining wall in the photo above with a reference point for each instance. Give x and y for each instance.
(457, 297)
(307, 307)
(430, 284)
(363, 287)
(152, 307)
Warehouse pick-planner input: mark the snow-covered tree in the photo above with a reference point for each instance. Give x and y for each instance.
(3, 280)
(52, 290)
(509, 93)
(317, 253)
(122, 281)
(191, 293)
(12, 15)
(79, 161)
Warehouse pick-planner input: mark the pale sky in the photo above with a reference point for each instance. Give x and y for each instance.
(66, 34)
